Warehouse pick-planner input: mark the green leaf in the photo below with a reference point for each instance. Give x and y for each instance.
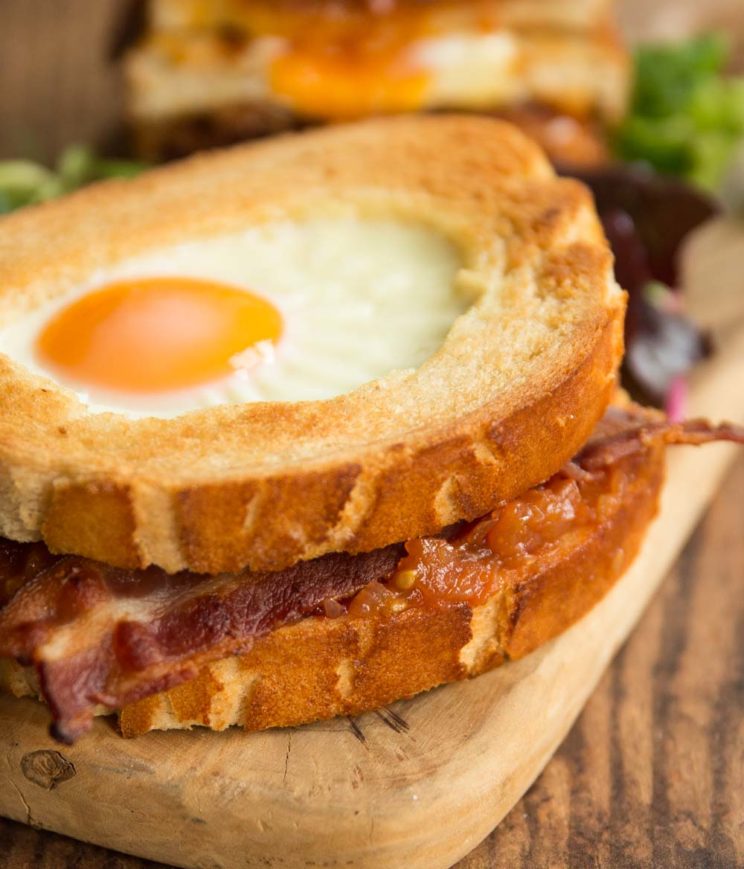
(686, 116)
(667, 74)
(103, 168)
(22, 176)
(712, 153)
(75, 167)
(662, 143)
(23, 182)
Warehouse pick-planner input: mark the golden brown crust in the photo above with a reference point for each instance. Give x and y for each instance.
(515, 390)
(320, 668)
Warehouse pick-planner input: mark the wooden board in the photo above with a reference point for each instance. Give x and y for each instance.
(418, 784)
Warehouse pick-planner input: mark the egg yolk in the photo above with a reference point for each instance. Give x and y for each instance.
(342, 86)
(156, 334)
(343, 60)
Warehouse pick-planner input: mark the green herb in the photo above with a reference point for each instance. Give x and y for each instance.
(23, 182)
(686, 117)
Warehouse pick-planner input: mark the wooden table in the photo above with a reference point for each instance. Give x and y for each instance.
(653, 771)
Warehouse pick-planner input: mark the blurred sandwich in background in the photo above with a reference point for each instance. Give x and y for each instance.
(211, 72)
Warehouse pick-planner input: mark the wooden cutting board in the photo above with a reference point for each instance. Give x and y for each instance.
(417, 784)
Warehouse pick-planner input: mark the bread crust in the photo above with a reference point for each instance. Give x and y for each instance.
(321, 667)
(511, 395)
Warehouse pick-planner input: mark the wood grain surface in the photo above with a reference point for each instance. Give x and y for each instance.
(653, 771)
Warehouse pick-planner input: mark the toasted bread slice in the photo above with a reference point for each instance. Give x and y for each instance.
(513, 392)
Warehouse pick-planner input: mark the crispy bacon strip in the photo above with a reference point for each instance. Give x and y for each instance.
(627, 431)
(101, 636)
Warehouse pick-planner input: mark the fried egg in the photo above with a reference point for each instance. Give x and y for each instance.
(463, 69)
(286, 311)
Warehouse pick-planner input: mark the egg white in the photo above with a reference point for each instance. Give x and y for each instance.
(359, 298)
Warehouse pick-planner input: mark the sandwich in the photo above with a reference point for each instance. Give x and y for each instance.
(307, 426)
(205, 74)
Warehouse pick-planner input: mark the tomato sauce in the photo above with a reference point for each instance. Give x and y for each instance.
(547, 521)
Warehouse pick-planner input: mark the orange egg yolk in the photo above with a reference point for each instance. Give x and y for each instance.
(155, 334)
(341, 86)
(346, 60)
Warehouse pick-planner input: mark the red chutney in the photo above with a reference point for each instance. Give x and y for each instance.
(468, 567)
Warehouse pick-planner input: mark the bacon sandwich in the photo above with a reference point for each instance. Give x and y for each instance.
(307, 426)
(210, 72)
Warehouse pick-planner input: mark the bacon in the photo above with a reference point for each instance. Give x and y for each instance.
(100, 636)
(628, 431)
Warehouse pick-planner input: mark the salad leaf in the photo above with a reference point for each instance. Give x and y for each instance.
(23, 182)
(666, 75)
(686, 117)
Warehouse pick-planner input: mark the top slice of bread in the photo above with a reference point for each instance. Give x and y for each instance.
(513, 392)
